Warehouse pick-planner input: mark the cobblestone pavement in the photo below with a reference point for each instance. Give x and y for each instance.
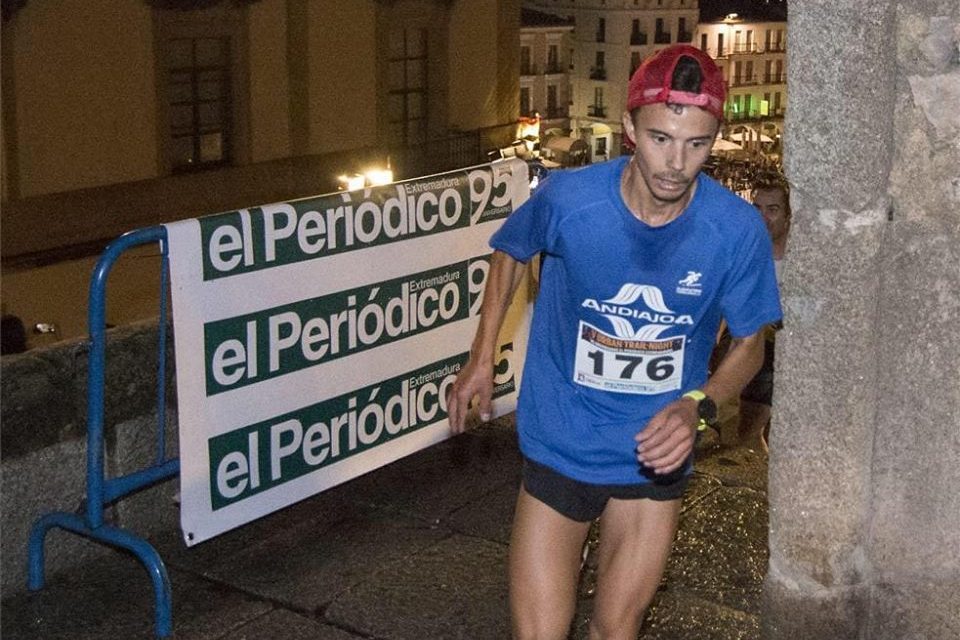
(415, 550)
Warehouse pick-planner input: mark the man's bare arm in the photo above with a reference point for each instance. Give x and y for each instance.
(741, 363)
(476, 377)
(668, 438)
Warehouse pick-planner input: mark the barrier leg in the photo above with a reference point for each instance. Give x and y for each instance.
(36, 558)
(117, 537)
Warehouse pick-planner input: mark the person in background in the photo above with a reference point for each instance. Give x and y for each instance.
(771, 195)
(642, 257)
(13, 335)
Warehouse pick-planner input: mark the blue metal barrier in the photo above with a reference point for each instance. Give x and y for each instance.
(102, 491)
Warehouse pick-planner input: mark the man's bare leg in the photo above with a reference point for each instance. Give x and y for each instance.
(635, 541)
(545, 554)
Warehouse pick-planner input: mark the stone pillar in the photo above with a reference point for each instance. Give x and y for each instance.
(915, 514)
(865, 442)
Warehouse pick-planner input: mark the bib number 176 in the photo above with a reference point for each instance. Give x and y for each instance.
(656, 369)
(627, 365)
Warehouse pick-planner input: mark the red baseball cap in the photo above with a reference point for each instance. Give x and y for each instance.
(651, 82)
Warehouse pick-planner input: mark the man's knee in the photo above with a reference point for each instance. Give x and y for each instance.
(540, 626)
(618, 625)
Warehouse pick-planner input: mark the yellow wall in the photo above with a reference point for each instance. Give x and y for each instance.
(343, 80)
(86, 96)
(473, 70)
(269, 87)
(82, 108)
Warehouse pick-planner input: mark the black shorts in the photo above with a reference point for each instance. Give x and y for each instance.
(582, 501)
(760, 389)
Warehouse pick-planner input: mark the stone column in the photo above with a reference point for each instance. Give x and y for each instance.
(915, 514)
(839, 147)
(865, 444)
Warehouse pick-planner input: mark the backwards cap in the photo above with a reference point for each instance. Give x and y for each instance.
(652, 81)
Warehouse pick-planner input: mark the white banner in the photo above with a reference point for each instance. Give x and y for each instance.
(315, 339)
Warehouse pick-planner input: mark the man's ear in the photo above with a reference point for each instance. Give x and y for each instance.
(628, 129)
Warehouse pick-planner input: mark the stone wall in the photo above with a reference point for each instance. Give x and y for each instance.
(43, 444)
(865, 443)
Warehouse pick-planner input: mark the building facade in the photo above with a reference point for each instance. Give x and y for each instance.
(124, 115)
(752, 54)
(546, 50)
(612, 37)
(161, 109)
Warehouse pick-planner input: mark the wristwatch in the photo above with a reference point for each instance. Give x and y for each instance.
(706, 408)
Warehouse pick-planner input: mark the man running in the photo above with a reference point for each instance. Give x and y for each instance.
(642, 257)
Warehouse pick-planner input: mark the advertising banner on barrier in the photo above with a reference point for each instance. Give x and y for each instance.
(315, 339)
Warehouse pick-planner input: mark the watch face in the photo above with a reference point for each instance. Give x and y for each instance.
(708, 410)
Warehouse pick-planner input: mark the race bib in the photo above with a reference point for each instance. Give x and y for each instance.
(621, 365)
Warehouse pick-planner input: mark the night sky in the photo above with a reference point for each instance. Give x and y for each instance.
(757, 9)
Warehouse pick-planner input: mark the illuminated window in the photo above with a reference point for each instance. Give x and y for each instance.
(407, 90)
(198, 90)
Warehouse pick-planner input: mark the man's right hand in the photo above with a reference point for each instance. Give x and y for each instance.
(475, 379)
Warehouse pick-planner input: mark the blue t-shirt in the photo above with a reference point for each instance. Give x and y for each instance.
(627, 314)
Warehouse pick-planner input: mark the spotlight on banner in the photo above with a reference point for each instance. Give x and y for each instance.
(376, 177)
(351, 182)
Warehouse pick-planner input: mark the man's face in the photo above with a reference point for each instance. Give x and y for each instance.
(672, 143)
(773, 205)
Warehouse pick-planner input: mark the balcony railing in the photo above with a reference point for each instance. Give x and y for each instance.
(536, 70)
(596, 111)
(774, 78)
(662, 38)
(739, 81)
(684, 36)
(754, 114)
(751, 47)
(598, 73)
(459, 149)
(638, 38)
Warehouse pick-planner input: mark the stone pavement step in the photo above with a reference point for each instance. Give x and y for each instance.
(415, 550)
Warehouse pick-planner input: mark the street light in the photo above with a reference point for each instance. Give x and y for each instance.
(372, 177)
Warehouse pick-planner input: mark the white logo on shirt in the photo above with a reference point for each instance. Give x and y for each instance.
(690, 284)
(659, 317)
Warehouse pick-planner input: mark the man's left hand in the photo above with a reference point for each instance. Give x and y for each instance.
(668, 438)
